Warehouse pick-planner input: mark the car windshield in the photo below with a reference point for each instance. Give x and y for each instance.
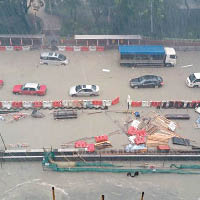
(78, 87)
(94, 87)
(62, 57)
(140, 79)
(192, 77)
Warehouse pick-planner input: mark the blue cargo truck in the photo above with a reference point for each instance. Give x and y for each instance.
(147, 55)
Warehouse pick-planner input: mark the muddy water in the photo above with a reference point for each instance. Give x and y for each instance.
(21, 181)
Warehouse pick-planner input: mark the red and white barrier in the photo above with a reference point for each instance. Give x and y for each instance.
(58, 104)
(60, 48)
(2, 48)
(166, 104)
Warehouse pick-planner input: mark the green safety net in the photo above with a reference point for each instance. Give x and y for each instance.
(106, 167)
(185, 166)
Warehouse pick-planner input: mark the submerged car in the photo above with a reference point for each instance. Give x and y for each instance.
(147, 81)
(193, 80)
(53, 58)
(30, 89)
(84, 90)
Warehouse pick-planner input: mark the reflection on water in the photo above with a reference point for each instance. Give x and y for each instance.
(28, 181)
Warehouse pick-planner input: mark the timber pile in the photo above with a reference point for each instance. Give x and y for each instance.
(158, 129)
(65, 114)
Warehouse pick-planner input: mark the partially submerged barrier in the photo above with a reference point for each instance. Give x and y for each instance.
(167, 104)
(60, 48)
(80, 104)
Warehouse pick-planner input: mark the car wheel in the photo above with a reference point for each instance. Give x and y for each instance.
(16, 93)
(195, 86)
(45, 63)
(74, 95)
(156, 86)
(63, 64)
(135, 87)
(92, 95)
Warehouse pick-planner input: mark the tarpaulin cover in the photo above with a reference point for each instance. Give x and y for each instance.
(181, 141)
(142, 49)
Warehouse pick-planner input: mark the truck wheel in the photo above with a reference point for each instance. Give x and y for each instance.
(168, 65)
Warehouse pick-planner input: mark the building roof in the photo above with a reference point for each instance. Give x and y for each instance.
(22, 36)
(142, 50)
(107, 37)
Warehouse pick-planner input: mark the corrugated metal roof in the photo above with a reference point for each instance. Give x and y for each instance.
(22, 36)
(107, 37)
(142, 49)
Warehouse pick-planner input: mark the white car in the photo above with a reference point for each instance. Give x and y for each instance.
(193, 80)
(84, 90)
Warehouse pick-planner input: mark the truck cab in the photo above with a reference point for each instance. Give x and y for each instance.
(170, 57)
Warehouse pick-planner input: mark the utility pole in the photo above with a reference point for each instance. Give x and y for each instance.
(151, 16)
(53, 193)
(142, 197)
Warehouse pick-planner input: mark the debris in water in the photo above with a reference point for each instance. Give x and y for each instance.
(105, 70)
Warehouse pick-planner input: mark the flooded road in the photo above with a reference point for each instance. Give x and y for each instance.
(27, 180)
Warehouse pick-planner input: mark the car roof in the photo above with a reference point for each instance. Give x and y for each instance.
(197, 75)
(31, 85)
(50, 54)
(150, 76)
(85, 86)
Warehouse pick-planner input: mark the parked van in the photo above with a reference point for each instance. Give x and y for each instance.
(193, 80)
(53, 58)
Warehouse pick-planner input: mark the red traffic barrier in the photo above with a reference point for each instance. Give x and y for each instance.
(139, 140)
(136, 103)
(141, 133)
(80, 144)
(97, 102)
(91, 148)
(57, 104)
(2, 48)
(131, 130)
(101, 138)
(37, 104)
(84, 48)
(115, 101)
(17, 48)
(155, 103)
(99, 48)
(1, 83)
(17, 104)
(69, 48)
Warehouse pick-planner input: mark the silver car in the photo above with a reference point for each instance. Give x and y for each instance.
(53, 58)
(84, 90)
